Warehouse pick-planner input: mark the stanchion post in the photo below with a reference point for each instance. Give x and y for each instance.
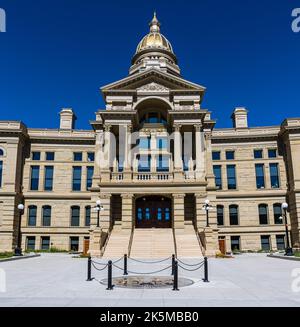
(109, 276)
(89, 269)
(175, 279)
(173, 263)
(205, 279)
(125, 265)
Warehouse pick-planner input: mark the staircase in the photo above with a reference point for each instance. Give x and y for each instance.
(152, 243)
(118, 243)
(187, 243)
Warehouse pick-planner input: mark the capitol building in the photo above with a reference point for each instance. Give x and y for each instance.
(140, 179)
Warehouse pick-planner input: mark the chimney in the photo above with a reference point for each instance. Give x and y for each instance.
(67, 119)
(240, 117)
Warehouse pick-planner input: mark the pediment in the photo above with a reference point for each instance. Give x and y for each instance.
(152, 80)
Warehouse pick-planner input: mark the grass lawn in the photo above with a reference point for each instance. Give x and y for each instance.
(297, 254)
(5, 255)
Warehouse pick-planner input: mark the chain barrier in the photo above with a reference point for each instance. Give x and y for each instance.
(99, 268)
(150, 262)
(189, 264)
(191, 269)
(102, 264)
(145, 273)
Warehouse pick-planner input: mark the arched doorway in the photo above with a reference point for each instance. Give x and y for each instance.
(153, 212)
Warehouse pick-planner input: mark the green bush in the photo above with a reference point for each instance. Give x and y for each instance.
(4, 255)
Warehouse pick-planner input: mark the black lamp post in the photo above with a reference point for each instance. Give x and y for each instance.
(207, 207)
(99, 208)
(288, 249)
(18, 249)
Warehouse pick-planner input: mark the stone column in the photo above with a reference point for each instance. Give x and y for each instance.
(178, 171)
(178, 211)
(127, 153)
(200, 155)
(105, 219)
(105, 174)
(127, 212)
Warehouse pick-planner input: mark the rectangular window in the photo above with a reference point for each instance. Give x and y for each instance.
(280, 242)
(1, 172)
(77, 156)
(144, 163)
(220, 215)
(91, 156)
(229, 155)
(75, 216)
(218, 176)
(30, 243)
(263, 214)
(235, 243)
(260, 176)
(274, 175)
(272, 153)
(50, 156)
(87, 216)
(48, 185)
(46, 216)
(45, 243)
(74, 243)
(265, 242)
(233, 215)
(258, 154)
(36, 156)
(76, 185)
(162, 143)
(89, 177)
(144, 142)
(277, 213)
(32, 210)
(216, 155)
(35, 176)
(231, 177)
(162, 163)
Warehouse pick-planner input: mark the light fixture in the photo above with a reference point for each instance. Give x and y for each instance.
(21, 206)
(284, 205)
(98, 202)
(207, 201)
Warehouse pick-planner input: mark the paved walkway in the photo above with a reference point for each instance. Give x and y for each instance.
(59, 280)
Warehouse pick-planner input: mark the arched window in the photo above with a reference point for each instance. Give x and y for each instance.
(1, 152)
(46, 216)
(263, 214)
(277, 213)
(220, 215)
(32, 210)
(233, 214)
(75, 216)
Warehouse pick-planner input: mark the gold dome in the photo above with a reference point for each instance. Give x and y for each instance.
(154, 40)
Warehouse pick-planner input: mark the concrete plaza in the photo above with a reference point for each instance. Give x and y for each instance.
(60, 280)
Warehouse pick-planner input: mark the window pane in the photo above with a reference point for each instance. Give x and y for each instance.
(30, 243)
(76, 179)
(260, 175)
(87, 216)
(46, 216)
(35, 173)
(272, 153)
(277, 213)
(162, 163)
(274, 175)
(231, 177)
(74, 243)
(36, 155)
(218, 176)
(77, 156)
(235, 243)
(89, 177)
(45, 243)
(1, 172)
(48, 178)
(91, 156)
(144, 143)
(258, 154)
(75, 216)
(144, 163)
(229, 155)
(265, 242)
(263, 214)
(233, 215)
(280, 242)
(50, 156)
(162, 143)
(32, 210)
(216, 155)
(1, 153)
(220, 215)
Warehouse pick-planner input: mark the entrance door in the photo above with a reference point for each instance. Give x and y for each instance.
(222, 246)
(86, 246)
(153, 212)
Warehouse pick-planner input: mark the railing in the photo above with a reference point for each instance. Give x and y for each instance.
(156, 176)
(117, 176)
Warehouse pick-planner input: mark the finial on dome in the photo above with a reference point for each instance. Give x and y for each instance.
(154, 24)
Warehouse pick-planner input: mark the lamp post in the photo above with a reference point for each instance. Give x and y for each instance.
(288, 249)
(207, 207)
(18, 249)
(99, 208)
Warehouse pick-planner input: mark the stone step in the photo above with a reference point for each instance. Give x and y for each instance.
(187, 243)
(117, 244)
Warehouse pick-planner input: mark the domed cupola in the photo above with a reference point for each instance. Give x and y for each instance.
(154, 51)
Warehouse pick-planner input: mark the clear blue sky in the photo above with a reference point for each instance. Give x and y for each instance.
(58, 53)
